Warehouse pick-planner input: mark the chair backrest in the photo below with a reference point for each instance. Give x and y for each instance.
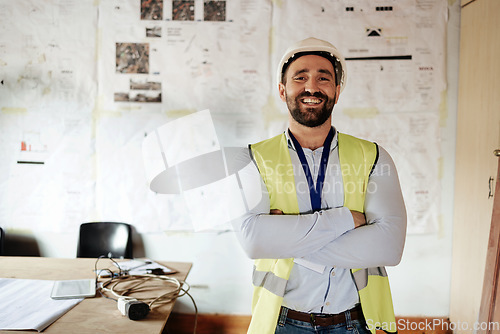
(2, 241)
(109, 239)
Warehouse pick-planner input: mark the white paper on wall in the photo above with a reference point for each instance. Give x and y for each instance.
(47, 93)
(195, 55)
(83, 83)
(396, 81)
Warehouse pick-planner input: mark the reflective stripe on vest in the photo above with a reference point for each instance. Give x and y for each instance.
(269, 281)
(361, 276)
(357, 158)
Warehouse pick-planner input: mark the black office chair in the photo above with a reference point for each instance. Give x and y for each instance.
(2, 241)
(105, 239)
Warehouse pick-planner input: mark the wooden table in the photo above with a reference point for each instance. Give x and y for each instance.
(92, 315)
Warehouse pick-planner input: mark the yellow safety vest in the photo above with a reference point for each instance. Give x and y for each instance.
(270, 276)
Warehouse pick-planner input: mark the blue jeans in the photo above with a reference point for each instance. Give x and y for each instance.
(292, 326)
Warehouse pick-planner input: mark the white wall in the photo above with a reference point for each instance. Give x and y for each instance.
(221, 273)
(421, 283)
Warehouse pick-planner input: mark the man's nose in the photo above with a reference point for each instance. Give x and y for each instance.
(311, 86)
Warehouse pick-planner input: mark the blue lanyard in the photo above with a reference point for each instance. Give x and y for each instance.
(315, 192)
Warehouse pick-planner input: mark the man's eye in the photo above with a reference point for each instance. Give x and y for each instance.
(299, 78)
(324, 79)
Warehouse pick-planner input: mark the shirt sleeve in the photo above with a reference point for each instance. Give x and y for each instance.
(283, 236)
(381, 241)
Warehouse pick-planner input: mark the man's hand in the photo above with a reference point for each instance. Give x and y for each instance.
(276, 212)
(359, 218)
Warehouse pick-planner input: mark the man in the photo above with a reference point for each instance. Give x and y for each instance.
(332, 214)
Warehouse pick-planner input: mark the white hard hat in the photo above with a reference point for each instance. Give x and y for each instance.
(313, 45)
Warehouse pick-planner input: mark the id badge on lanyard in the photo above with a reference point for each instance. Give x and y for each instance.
(315, 192)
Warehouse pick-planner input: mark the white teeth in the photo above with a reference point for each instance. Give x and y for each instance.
(311, 100)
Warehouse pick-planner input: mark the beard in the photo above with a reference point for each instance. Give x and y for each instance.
(310, 116)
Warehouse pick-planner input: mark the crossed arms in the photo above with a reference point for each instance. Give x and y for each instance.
(333, 237)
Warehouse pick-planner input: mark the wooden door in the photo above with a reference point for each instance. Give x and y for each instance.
(478, 135)
(489, 315)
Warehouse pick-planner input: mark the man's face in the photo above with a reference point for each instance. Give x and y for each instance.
(309, 90)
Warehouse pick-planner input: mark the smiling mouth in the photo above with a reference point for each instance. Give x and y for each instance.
(311, 101)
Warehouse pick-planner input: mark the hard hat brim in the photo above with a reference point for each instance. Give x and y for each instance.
(312, 45)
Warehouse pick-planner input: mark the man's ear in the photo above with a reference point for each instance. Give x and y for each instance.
(337, 93)
(281, 89)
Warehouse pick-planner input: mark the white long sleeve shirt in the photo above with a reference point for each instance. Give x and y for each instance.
(325, 244)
